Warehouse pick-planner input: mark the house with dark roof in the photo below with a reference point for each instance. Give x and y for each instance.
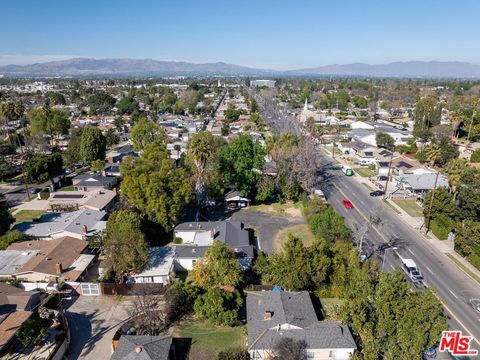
(117, 155)
(133, 347)
(93, 182)
(276, 315)
(198, 236)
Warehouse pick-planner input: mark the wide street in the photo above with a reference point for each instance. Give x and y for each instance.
(451, 284)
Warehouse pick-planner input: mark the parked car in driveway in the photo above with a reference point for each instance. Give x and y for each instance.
(376, 193)
(347, 203)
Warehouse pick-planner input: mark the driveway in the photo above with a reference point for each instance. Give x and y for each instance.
(266, 224)
(93, 321)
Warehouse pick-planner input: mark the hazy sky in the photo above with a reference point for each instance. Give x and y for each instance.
(273, 34)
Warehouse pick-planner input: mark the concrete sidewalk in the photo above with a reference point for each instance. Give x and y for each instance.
(446, 247)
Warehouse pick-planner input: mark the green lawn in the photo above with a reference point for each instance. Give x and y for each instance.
(331, 306)
(365, 171)
(28, 215)
(302, 231)
(214, 338)
(66, 188)
(410, 207)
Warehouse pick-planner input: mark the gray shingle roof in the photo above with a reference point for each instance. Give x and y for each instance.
(190, 251)
(423, 181)
(152, 348)
(295, 309)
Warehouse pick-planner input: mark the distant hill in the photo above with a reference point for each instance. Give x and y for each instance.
(416, 69)
(149, 67)
(86, 66)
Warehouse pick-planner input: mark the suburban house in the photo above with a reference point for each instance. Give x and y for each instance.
(118, 154)
(111, 170)
(77, 224)
(94, 182)
(159, 268)
(235, 199)
(275, 315)
(12, 260)
(198, 236)
(101, 200)
(132, 347)
(364, 153)
(16, 306)
(420, 183)
(61, 258)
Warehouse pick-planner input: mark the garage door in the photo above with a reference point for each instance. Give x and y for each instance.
(90, 289)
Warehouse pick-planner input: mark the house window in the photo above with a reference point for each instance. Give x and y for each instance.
(194, 262)
(332, 354)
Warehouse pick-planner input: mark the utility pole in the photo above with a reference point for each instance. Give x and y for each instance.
(388, 176)
(427, 228)
(26, 186)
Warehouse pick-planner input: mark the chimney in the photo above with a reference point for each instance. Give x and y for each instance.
(267, 315)
(84, 229)
(58, 268)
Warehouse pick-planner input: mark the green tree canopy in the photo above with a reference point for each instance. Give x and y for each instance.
(145, 132)
(127, 106)
(6, 218)
(384, 140)
(100, 103)
(240, 164)
(155, 186)
(52, 122)
(126, 250)
(43, 167)
(218, 306)
(329, 225)
(220, 267)
(92, 145)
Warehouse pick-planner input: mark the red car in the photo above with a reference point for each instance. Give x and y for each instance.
(347, 203)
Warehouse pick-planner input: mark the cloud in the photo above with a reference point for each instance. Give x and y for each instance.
(19, 59)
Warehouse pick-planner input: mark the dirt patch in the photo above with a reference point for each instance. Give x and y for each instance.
(302, 231)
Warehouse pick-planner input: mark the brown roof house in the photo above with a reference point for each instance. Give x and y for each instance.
(16, 306)
(61, 258)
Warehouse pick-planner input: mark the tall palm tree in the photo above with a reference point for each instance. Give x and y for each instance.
(433, 153)
(455, 169)
(200, 149)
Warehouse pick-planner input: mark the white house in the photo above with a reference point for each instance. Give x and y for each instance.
(160, 266)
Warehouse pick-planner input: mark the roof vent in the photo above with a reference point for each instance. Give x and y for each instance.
(138, 349)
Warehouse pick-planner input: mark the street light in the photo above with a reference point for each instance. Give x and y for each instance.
(384, 253)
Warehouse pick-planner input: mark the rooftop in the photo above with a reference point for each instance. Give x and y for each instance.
(12, 260)
(132, 347)
(161, 261)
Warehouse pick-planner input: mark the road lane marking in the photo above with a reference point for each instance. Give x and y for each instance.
(426, 285)
(426, 267)
(410, 251)
(451, 292)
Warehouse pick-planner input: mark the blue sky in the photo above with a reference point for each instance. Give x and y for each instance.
(271, 34)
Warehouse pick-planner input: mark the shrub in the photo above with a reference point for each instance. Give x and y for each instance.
(31, 331)
(218, 306)
(441, 226)
(10, 237)
(475, 156)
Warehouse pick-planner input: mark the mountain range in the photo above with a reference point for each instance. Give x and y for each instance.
(149, 67)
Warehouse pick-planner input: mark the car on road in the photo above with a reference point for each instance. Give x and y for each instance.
(411, 269)
(399, 127)
(475, 303)
(347, 203)
(376, 193)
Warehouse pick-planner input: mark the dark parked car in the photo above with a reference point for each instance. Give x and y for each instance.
(376, 193)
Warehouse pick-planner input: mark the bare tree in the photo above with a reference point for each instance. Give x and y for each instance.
(290, 349)
(148, 316)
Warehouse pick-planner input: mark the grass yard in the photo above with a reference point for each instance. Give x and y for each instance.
(28, 215)
(301, 231)
(214, 338)
(365, 171)
(410, 207)
(331, 306)
(288, 208)
(66, 188)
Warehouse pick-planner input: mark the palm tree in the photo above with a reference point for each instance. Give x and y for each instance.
(455, 169)
(200, 149)
(433, 153)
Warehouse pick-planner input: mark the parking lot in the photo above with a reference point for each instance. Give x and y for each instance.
(93, 321)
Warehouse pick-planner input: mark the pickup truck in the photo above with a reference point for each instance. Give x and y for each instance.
(412, 271)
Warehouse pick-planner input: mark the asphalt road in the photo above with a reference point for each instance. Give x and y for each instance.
(451, 284)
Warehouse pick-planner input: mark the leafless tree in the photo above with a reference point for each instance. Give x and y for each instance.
(148, 316)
